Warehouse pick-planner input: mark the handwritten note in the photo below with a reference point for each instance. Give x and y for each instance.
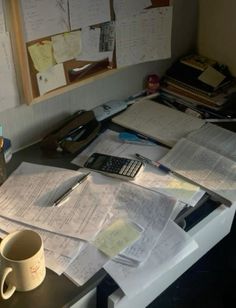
(44, 18)
(88, 13)
(51, 79)
(144, 37)
(66, 46)
(42, 55)
(116, 237)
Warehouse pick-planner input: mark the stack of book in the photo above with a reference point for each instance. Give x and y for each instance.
(196, 80)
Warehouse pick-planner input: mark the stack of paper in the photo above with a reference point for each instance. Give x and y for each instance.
(152, 178)
(90, 224)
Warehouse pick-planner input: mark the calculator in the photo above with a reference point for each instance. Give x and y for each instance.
(120, 167)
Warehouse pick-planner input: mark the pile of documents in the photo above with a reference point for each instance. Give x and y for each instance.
(105, 222)
(198, 85)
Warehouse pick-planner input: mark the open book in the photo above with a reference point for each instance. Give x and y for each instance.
(207, 157)
(158, 122)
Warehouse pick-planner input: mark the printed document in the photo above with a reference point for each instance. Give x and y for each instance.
(207, 157)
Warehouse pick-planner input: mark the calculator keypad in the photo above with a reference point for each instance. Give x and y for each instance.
(122, 166)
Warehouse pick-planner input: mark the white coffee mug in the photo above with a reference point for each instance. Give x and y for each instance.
(22, 262)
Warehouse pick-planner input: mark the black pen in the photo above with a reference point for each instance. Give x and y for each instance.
(65, 194)
(152, 163)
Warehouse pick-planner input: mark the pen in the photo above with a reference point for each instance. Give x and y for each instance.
(152, 163)
(65, 194)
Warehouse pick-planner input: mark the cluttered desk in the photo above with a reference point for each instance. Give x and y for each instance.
(126, 213)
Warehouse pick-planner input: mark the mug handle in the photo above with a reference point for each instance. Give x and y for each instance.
(10, 289)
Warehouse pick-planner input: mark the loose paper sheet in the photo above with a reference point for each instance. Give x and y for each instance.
(44, 18)
(148, 209)
(173, 246)
(62, 245)
(66, 46)
(88, 263)
(54, 261)
(51, 79)
(2, 18)
(204, 167)
(28, 194)
(85, 13)
(127, 8)
(90, 40)
(144, 37)
(9, 97)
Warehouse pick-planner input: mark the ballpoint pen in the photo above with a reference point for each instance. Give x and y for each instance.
(68, 191)
(152, 163)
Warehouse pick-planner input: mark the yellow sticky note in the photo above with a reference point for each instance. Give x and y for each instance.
(42, 55)
(116, 237)
(212, 77)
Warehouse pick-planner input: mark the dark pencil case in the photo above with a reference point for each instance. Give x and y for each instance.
(73, 134)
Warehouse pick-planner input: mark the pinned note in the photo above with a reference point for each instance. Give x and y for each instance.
(117, 237)
(42, 55)
(66, 46)
(51, 79)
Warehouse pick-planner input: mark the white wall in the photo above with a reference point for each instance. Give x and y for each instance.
(217, 31)
(26, 124)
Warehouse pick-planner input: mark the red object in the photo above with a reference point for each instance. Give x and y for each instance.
(153, 84)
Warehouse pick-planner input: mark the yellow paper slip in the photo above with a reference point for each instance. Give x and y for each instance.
(42, 55)
(117, 237)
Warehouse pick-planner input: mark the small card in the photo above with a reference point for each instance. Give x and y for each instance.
(212, 77)
(51, 79)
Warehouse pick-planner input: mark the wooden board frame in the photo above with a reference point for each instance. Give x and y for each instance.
(26, 74)
(25, 71)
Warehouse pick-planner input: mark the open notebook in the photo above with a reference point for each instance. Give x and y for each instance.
(158, 122)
